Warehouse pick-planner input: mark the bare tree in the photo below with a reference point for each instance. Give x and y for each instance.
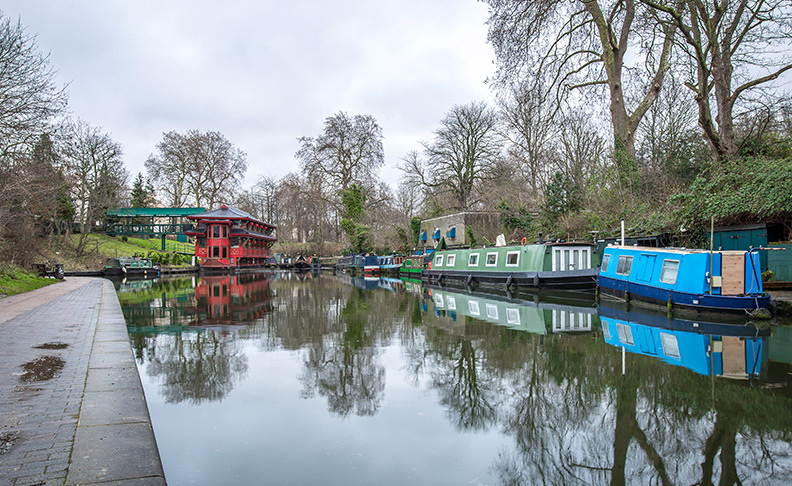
(736, 46)
(29, 97)
(169, 167)
(93, 162)
(197, 168)
(584, 44)
(350, 150)
(217, 168)
(464, 150)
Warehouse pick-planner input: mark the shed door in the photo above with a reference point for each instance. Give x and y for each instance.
(733, 272)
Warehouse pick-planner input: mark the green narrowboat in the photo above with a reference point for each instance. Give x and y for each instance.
(569, 266)
(414, 265)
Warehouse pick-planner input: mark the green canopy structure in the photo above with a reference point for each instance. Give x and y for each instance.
(150, 222)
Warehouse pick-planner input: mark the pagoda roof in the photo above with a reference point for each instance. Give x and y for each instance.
(230, 213)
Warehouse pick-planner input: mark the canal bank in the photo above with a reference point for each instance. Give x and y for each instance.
(72, 409)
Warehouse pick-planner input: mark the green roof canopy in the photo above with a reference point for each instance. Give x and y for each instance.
(153, 212)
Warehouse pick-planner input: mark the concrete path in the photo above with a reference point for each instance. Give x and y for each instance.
(72, 409)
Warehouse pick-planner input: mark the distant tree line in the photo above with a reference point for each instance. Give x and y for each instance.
(663, 113)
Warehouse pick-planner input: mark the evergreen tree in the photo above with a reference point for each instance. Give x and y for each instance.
(139, 194)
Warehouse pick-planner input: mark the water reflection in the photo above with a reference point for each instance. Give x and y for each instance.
(515, 389)
(706, 347)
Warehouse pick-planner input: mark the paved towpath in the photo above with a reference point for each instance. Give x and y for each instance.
(72, 410)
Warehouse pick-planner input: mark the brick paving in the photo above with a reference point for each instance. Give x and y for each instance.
(47, 337)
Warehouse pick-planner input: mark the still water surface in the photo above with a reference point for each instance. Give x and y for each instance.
(284, 378)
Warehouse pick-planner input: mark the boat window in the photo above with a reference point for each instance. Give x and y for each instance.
(512, 258)
(605, 328)
(492, 259)
(439, 261)
(215, 231)
(492, 311)
(670, 345)
(624, 265)
(450, 302)
(473, 260)
(513, 316)
(450, 260)
(473, 307)
(625, 333)
(669, 272)
(605, 261)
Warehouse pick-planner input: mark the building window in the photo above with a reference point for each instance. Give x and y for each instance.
(605, 261)
(439, 261)
(669, 272)
(473, 260)
(215, 252)
(450, 260)
(624, 265)
(225, 252)
(225, 231)
(202, 242)
(512, 258)
(492, 259)
(215, 231)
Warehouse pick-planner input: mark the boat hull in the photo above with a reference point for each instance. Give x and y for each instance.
(568, 280)
(655, 296)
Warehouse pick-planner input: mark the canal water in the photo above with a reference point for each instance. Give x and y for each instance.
(281, 378)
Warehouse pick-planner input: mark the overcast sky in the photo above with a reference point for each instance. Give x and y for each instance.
(263, 72)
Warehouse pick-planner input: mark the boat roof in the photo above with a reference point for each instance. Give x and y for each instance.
(678, 251)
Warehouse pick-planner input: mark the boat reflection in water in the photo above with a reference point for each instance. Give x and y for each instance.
(729, 350)
(539, 314)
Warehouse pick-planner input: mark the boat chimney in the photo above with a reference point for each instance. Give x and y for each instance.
(541, 238)
(622, 231)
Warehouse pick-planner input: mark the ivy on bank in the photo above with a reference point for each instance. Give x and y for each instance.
(738, 192)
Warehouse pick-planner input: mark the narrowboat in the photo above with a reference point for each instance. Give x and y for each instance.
(705, 347)
(365, 263)
(567, 266)
(414, 265)
(129, 266)
(696, 280)
(390, 264)
(301, 264)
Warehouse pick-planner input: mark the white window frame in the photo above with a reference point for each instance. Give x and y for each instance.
(492, 311)
(493, 264)
(450, 260)
(438, 261)
(562, 256)
(473, 307)
(605, 262)
(477, 255)
(666, 280)
(625, 258)
(450, 303)
(515, 264)
(513, 316)
(625, 334)
(670, 345)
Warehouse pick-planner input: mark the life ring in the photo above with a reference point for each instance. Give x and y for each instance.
(524, 240)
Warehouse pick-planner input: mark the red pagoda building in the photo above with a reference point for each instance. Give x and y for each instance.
(229, 238)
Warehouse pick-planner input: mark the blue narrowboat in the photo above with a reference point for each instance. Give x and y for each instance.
(700, 280)
(361, 262)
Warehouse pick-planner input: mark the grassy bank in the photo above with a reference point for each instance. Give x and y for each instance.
(15, 280)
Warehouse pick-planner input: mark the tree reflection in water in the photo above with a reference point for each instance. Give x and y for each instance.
(566, 413)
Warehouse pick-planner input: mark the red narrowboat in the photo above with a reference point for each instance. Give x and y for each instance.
(227, 239)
